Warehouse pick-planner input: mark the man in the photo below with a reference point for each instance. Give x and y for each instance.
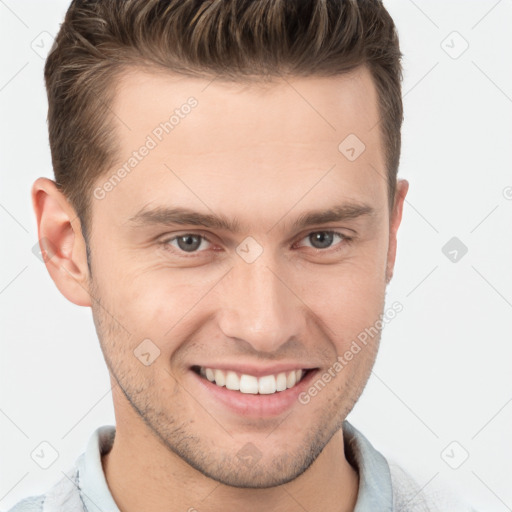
(226, 201)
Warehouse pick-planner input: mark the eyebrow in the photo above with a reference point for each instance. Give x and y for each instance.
(184, 216)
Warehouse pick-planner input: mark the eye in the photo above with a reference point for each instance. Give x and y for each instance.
(188, 242)
(194, 243)
(324, 239)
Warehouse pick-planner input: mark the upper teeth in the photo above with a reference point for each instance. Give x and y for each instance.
(244, 383)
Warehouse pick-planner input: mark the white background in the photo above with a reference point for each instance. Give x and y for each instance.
(444, 369)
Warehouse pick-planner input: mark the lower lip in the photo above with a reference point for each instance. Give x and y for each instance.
(256, 405)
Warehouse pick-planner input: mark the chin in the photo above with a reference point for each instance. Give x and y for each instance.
(257, 477)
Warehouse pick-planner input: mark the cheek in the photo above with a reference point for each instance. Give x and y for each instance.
(348, 298)
(159, 304)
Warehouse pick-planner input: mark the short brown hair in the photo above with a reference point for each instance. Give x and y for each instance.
(236, 40)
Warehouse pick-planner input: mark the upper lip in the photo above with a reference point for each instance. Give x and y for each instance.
(256, 371)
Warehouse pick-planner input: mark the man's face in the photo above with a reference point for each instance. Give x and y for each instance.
(272, 296)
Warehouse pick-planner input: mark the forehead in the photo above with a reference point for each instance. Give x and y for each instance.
(334, 106)
(258, 143)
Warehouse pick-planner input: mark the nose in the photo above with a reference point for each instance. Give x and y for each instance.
(259, 306)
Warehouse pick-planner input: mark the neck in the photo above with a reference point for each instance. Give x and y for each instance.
(143, 474)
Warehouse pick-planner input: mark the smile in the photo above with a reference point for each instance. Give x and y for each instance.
(250, 384)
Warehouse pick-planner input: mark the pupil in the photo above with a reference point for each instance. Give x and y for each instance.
(191, 242)
(321, 240)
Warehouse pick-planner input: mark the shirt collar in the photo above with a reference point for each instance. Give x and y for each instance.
(375, 490)
(92, 482)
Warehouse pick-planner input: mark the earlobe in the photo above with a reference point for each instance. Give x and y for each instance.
(62, 244)
(402, 188)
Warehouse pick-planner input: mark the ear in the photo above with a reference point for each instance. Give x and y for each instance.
(60, 238)
(402, 187)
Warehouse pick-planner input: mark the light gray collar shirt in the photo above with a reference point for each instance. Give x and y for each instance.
(383, 486)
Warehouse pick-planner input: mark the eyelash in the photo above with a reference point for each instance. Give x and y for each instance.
(166, 243)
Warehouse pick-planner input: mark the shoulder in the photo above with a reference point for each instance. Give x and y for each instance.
(30, 504)
(64, 495)
(386, 484)
(409, 496)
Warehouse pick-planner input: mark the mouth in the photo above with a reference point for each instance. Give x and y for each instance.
(250, 384)
(265, 395)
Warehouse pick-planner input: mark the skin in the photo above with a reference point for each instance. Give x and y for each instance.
(263, 154)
